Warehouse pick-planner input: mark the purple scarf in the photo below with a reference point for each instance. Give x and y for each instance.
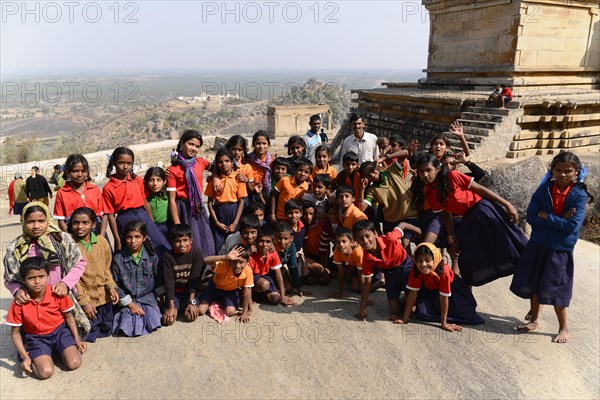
(254, 160)
(193, 189)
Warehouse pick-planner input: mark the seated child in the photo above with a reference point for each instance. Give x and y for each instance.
(440, 296)
(286, 250)
(232, 280)
(386, 253)
(249, 226)
(349, 213)
(347, 256)
(139, 283)
(182, 268)
(290, 187)
(315, 244)
(318, 195)
(265, 262)
(47, 321)
(96, 289)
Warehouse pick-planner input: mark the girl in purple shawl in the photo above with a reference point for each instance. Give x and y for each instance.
(185, 188)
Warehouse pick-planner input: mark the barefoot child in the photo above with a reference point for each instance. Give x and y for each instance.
(232, 280)
(556, 213)
(182, 269)
(387, 253)
(96, 289)
(440, 296)
(266, 262)
(135, 270)
(286, 250)
(347, 256)
(47, 321)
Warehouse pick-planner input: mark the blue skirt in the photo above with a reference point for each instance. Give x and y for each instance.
(159, 242)
(490, 244)
(103, 323)
(461, 307)
(134, 325)
(545, 272)
(164, 229)
(225, 213)
(202, 235)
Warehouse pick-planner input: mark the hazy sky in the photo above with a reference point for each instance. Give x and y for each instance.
(66, 36)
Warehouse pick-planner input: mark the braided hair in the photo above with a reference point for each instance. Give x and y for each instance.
(139, 226)
(115, 156)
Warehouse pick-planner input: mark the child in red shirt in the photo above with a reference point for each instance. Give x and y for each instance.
(440, 296)
(386, 253)
(47, 321)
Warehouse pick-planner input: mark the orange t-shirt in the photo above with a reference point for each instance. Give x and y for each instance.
(288, 189)
(352, 215)
(225, 279)
(232, 191)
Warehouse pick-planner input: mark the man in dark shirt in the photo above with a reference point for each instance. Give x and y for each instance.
(37, 188)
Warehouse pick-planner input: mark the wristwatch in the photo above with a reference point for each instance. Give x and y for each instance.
(194, 302)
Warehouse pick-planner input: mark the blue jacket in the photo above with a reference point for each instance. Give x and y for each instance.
(556, 232)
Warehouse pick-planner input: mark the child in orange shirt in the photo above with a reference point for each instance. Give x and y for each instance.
(289, 188)
(347, 256)
(349, 213)
(225, 207)
(323, 163)
(350, 176)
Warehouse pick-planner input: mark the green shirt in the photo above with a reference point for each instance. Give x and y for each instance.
(160, 207)
(93, 240)
(138, 258)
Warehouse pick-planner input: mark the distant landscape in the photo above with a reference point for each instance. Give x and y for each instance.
(52, 116)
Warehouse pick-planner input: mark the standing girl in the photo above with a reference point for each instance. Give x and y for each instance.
(155, 181)
(225, 207)
(96, 290)
(79, 192)
(135, 269)
(42, 238)
(260, 161)
(556, 213)
(490, 242)
(296, 147)
(323, 166)
(184, 187)
(124, 195)
(238, 147)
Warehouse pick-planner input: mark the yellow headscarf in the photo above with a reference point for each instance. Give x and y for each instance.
(24, 241)
(437, 256)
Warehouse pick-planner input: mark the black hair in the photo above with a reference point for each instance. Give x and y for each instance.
(350, 157)
(30, 210)
(293, 204)
(158, 171)
(180, 230)
(355, 117)
(569, 157)
(78, 211)
(33, 264)
(325, 179)
(324, 148)
(362, 170)
(397, 139)
(341, 231)
(303, 162)
(266, 231)
(308, 204)
(241, 141)
(73, 160)
(36, 168)
(426, 251)
(246, 251)
(284, 226)
(443, 137)
(330, 206)
(281, 161)
(253, 207)
(362, 225)
(293, 140)
(344, 189)
(249, 221)
(188, 135)
(139, 226)
(260, 133)
(115, 156)
(314, 117)
(225, 153)
(441, 180)
(57, 166)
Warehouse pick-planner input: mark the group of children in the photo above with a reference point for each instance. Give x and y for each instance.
(271, 227)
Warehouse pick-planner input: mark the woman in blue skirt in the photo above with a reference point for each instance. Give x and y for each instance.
(439, 295)
(556, 213)
(488, 242)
